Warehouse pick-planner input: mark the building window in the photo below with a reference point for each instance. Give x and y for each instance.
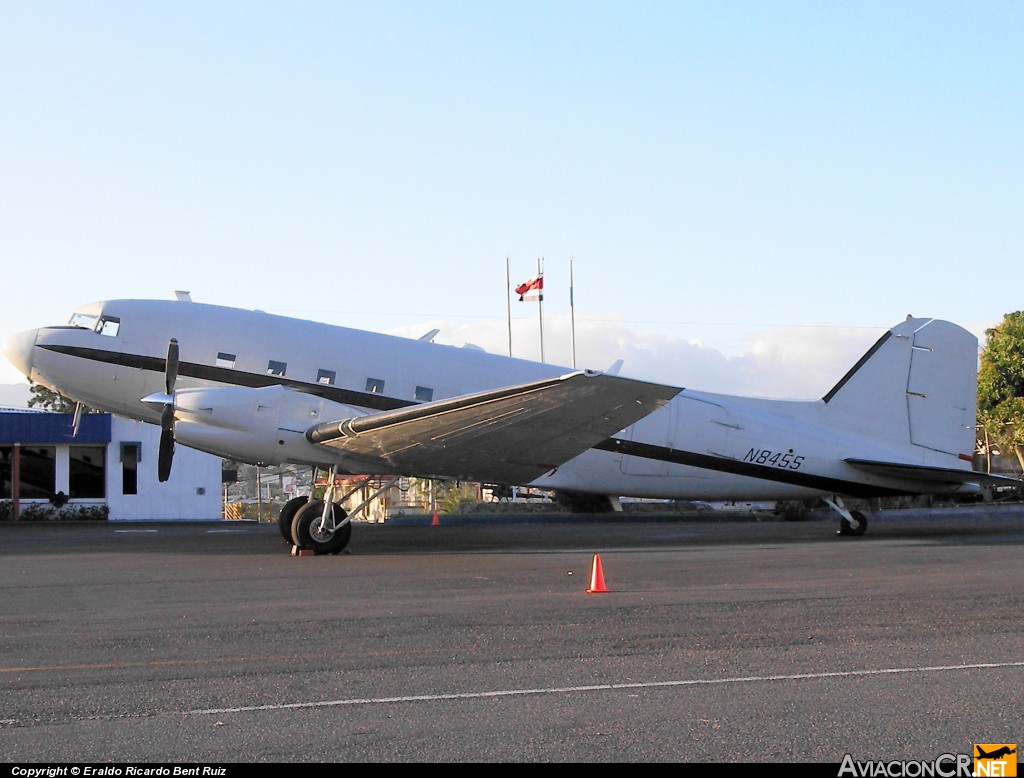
(225, 360)
(326, 377)
(87, 472)
(131, 455)
(424, 394)
(37, 472)
(276, 368)
(375, 385)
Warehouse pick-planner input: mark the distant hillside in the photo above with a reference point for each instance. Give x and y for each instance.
(15, 395)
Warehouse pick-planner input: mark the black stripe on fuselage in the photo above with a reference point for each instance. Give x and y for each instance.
(233, 377)
(734, 466)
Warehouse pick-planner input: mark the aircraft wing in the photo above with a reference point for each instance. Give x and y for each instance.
(511, 435)
(931, 475)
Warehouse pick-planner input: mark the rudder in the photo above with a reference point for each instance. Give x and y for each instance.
(917, 384)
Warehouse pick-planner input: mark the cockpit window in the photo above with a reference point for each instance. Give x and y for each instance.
(104, 325)
(86, 321)
(108, 325)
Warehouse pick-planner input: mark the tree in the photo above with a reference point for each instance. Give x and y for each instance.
(49, 400)
(1001, 385)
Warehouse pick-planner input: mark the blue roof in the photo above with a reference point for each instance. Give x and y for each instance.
(21, 427)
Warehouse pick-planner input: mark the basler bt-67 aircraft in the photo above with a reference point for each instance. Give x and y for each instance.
(267, 389)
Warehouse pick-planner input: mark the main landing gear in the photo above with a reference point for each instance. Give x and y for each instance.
(323, 526)
(311, 524)
(852, 523)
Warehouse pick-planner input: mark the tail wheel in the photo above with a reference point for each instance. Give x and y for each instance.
(306, 531)
(284, 518)
(846, 528)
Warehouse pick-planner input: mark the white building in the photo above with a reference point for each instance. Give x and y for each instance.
(110, 461)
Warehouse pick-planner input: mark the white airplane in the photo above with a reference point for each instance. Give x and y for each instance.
(266, 389)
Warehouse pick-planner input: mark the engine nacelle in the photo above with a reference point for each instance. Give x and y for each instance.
(264, 425)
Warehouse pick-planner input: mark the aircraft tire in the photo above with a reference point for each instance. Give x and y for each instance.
(284, 518)
(303, 535)
(845, 528)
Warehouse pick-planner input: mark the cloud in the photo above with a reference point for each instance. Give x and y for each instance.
(15, 395)
(800, 362)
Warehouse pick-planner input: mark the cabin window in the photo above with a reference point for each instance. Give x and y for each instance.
(276, 368)
(326, 377)
(87, 471)
(375, 385)
(225, 360)
(424, 394)
(108, 325)
(131, 455)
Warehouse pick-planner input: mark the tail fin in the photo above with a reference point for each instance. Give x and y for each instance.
(917, 384)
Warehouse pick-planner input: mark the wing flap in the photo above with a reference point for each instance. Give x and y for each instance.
(511, 435)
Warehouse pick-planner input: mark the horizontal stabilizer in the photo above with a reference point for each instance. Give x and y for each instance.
(931, 475)
(511, 435)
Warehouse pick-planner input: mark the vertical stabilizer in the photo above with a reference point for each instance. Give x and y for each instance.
(917, 384)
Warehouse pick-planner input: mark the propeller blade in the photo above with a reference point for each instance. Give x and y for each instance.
(171, 366)
(165, 455)
(167, 419)
(166, 451)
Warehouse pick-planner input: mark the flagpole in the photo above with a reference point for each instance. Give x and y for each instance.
(540, 307)
(572, 317)
(508, 306)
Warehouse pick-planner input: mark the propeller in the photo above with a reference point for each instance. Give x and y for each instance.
(166, 451)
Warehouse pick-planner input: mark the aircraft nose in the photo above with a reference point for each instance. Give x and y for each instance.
(19, 351)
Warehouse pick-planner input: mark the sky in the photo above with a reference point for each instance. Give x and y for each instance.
(748, 193)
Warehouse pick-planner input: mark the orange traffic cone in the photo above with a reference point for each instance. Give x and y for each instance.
(435, 522)
(597, 577)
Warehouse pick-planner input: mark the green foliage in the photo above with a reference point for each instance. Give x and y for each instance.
(49, 400)
(450, 495)
(1001, 382)
(35, 511)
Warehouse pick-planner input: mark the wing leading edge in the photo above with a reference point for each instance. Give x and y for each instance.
(511, 435)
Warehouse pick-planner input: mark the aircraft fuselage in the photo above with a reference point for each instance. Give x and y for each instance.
(289, 374)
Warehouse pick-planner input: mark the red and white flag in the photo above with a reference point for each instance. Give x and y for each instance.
(532, 289)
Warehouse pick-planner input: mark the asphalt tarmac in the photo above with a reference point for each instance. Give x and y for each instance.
(715, 641)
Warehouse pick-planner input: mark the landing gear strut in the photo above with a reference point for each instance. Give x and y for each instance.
(852, 523)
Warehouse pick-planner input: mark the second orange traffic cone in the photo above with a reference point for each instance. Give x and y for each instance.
(597, 577)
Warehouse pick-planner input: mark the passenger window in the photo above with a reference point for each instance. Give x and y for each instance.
(225, 360)
(325, 377)
(424, 394)
(375, 385)
(276, 368)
